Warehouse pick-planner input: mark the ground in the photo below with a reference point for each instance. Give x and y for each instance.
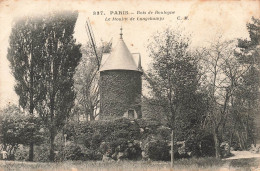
(242, 160)
(243, 155)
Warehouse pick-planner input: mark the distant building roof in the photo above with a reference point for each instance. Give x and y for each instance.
(120, 59)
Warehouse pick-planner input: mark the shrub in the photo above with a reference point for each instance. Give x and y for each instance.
(122, 137)
(118, 135)
(207, 146)
(225, 150)
(73, 151)
(92, 155)
(156, 149)
(21, 153)
(41, 152)
(134, 150)
(193, 145)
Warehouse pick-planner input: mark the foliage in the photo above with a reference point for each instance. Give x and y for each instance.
(16, 127)
(156, 149)
(57, 57)
(174, 83)
(86, 81)
(43, 56)
(68, 150)
(21, 153)
(224, 74)
(246, 97)
(232, 82)
(73, 152)
(112, 136)
(42, 152)
(24, 48)
(124, 138)
(174, 80)
(119, 92)
(210, 92)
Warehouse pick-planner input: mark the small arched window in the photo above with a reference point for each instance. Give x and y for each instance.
(131, 114)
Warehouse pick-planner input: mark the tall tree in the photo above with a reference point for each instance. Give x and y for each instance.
(24, 49)
(223, 77)
(173, 78)
(59, 57)
(247, 96)
(86, 81)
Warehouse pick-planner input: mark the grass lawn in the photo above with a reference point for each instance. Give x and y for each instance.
(208, 164)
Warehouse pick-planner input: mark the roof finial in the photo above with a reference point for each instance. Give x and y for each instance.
(121, 34)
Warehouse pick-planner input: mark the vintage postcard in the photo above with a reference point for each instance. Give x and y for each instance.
(129, 85)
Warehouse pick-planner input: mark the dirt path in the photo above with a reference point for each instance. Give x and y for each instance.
(243, 154)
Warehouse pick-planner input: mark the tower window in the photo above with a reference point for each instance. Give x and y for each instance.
(131, 114)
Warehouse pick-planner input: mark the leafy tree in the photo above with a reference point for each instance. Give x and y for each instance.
(86, 81)
(246, 98)
(16, 128)
(43, 57)
(224, 74)
(174, 80)
(10, 130)
(24, 49)
(59, 57)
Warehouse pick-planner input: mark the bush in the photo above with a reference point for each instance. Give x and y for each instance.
(118, 136)
(124, 149)
(41, 153)
(92, 155)
(73, 152)
(225, 150)
(21, 153)
(207, 146)
(134, 150)
(193, 145)
(119, 139)
(156, 149)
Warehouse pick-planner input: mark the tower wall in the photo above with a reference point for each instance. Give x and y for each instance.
(120, 91)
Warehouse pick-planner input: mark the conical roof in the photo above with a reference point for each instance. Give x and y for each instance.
(120, 59)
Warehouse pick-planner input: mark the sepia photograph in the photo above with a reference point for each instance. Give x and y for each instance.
(129, 85)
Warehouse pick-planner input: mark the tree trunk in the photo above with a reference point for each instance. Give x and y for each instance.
(217, 144)
(31, 152)
(32, 132)
(231, 139)
(31, 106)
(172, 148)
(241, 140)
(92, 118)
(52, 128)
(52, 154)
(31, 143)
(86, 112)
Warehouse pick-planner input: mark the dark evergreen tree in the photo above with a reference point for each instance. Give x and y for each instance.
(59, 57)
(24, 49)
(43, 56)
(246, 100)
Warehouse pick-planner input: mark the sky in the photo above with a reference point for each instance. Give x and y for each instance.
(204, 19)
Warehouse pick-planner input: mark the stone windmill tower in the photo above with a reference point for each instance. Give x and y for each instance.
(120, 83)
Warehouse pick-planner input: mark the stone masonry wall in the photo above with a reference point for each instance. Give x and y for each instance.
(120, 91)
